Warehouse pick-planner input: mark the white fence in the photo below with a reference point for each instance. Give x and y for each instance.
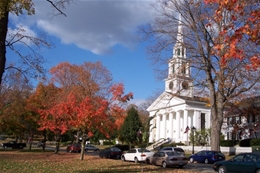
(227, 150)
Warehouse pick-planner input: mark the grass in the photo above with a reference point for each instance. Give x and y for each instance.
(21, 161)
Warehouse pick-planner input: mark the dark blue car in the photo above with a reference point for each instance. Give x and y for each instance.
(207, 156)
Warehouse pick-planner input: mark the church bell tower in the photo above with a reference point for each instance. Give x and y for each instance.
(179, 81)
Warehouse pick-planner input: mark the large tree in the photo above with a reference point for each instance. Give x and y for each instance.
(87, 101)
(10, 39)
(218, 69)
(14, 92)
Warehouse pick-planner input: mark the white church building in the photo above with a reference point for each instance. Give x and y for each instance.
(177, 109)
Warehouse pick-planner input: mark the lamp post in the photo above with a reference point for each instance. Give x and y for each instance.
(193, 129)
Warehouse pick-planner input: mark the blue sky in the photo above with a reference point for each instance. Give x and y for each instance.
(103, 31)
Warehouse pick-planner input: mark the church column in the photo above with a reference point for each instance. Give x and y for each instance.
(157, 127)
(196, 119)
(177, 126)
(185, 124)
(164, 126)
(151, 132)
(170, 125)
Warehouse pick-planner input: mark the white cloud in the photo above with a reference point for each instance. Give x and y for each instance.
(96, 26)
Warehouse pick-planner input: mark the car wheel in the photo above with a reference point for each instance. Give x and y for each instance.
(206, 161)
(191, 160)
(123, 158)
(147, 161)
(136, 160)
(222, 169)
(164, 165)
(257, 171)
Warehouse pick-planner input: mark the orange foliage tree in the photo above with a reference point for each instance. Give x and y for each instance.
(245, 17)
(43, 98)
(88, 102)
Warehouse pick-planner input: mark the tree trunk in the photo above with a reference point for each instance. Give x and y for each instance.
(57, 148)
(83, 144)
(3, 33)
(44, 140)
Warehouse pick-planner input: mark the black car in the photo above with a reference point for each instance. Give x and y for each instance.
(111, 152)
(241, 163)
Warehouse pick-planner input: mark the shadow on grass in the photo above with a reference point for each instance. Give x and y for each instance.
(125, 170)
(132, 168)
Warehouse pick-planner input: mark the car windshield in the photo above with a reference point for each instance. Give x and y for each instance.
(115, 149)
(178, 149)
(140, 150)
(173, 154)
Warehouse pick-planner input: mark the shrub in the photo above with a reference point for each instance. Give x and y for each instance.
(245, 142)
(228, 143)
(255, 142)
(108, 143)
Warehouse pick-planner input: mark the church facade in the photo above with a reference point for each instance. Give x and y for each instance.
(177, 110)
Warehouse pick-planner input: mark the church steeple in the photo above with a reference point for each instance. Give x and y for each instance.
(179, 80)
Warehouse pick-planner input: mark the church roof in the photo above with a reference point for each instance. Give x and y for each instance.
(167, 99)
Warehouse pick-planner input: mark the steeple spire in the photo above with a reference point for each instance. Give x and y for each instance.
(178, 49)
(179, 40)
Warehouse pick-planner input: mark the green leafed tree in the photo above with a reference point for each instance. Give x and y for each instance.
(130, 131)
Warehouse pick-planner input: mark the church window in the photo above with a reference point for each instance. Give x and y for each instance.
(183, 69)
(173, 69)
(178, 52)
(202, 120)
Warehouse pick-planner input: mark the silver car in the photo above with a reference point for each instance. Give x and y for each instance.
(167, 159)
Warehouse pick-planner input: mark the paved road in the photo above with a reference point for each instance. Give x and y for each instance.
(204, 168)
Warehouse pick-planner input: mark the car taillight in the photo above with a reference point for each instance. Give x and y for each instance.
(215, 157)
(143, 155)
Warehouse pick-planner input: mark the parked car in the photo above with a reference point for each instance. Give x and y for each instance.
(111, 152)
(136, 155)
(167, 159)
(74, 148)
(13, 145)
(241, 163)
(177, 149)
(90, 147)
(207, 156)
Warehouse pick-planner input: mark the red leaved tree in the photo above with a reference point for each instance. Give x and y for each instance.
(245, 17)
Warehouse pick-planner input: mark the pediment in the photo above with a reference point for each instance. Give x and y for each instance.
(165, 100)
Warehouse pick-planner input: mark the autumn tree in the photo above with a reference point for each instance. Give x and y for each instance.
(88, 101)
(14, 118)
(221, 61)
(9, 39)
(43, 98)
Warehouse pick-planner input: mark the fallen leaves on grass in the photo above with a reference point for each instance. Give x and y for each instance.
(40, 162)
